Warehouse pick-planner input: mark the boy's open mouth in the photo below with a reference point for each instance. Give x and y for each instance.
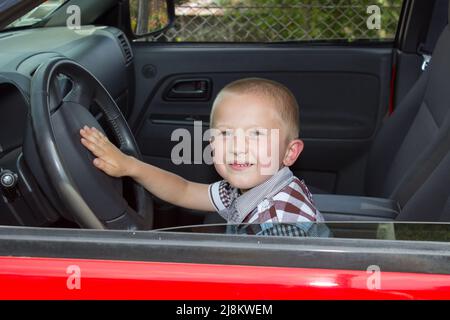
(240, 166)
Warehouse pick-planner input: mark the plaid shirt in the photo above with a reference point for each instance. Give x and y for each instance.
(282, 206)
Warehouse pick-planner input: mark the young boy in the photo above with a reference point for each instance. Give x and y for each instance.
(255, 126)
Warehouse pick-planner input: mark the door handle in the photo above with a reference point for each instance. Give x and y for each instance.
(189, 89)
(187, 92)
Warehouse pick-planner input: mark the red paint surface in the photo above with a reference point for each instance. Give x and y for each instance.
(43, 278)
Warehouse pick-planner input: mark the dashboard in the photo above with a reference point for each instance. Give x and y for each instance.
(104, 51)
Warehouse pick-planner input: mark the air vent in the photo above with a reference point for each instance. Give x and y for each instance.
(33, 71)
(126, 49)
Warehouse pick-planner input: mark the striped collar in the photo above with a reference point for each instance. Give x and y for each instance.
(247, 202)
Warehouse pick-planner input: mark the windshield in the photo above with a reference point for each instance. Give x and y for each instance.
(37, 14)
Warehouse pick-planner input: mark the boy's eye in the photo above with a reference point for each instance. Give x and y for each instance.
(256, 133)
(225, 133)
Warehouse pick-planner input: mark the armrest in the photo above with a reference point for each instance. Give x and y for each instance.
(354, 208)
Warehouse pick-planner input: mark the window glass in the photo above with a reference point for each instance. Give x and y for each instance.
(37, 14)
(282, 20)
(341, 230)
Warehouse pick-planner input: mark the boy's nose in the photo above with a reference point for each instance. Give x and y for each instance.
(240, 144)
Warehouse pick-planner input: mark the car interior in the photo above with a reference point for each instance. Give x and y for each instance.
(374, 117)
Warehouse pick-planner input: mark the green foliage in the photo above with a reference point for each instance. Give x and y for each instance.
(422, 232)
(281, 20)
(148, 15)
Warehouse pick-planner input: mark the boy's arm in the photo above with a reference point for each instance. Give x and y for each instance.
(171, 187)
(163, 184)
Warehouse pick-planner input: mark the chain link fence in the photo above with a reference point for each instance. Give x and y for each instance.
(280, 20)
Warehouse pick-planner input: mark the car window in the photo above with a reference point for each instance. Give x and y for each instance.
(278, 20)
(37, 14)
(403, 231)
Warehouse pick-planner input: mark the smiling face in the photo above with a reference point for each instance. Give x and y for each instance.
(249, 139)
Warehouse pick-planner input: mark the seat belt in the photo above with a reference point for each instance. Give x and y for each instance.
(439, 19)
(426, 168)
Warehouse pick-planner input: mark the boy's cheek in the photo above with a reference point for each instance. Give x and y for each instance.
(221, 170)
(218, 155)
(268, 159)
(264, 151)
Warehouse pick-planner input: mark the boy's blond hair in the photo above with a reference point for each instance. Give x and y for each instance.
(281, 96)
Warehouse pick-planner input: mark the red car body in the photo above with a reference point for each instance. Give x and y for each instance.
(44, 278)
(39, 263)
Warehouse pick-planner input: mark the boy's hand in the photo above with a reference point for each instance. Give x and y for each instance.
(109, 158)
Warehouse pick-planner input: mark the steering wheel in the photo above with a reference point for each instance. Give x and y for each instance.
(59, 109)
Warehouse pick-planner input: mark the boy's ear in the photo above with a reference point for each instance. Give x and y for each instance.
(295, 147)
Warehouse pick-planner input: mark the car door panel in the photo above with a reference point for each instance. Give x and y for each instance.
(343, 94)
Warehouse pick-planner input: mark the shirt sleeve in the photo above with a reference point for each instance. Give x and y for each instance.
(214, 192)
